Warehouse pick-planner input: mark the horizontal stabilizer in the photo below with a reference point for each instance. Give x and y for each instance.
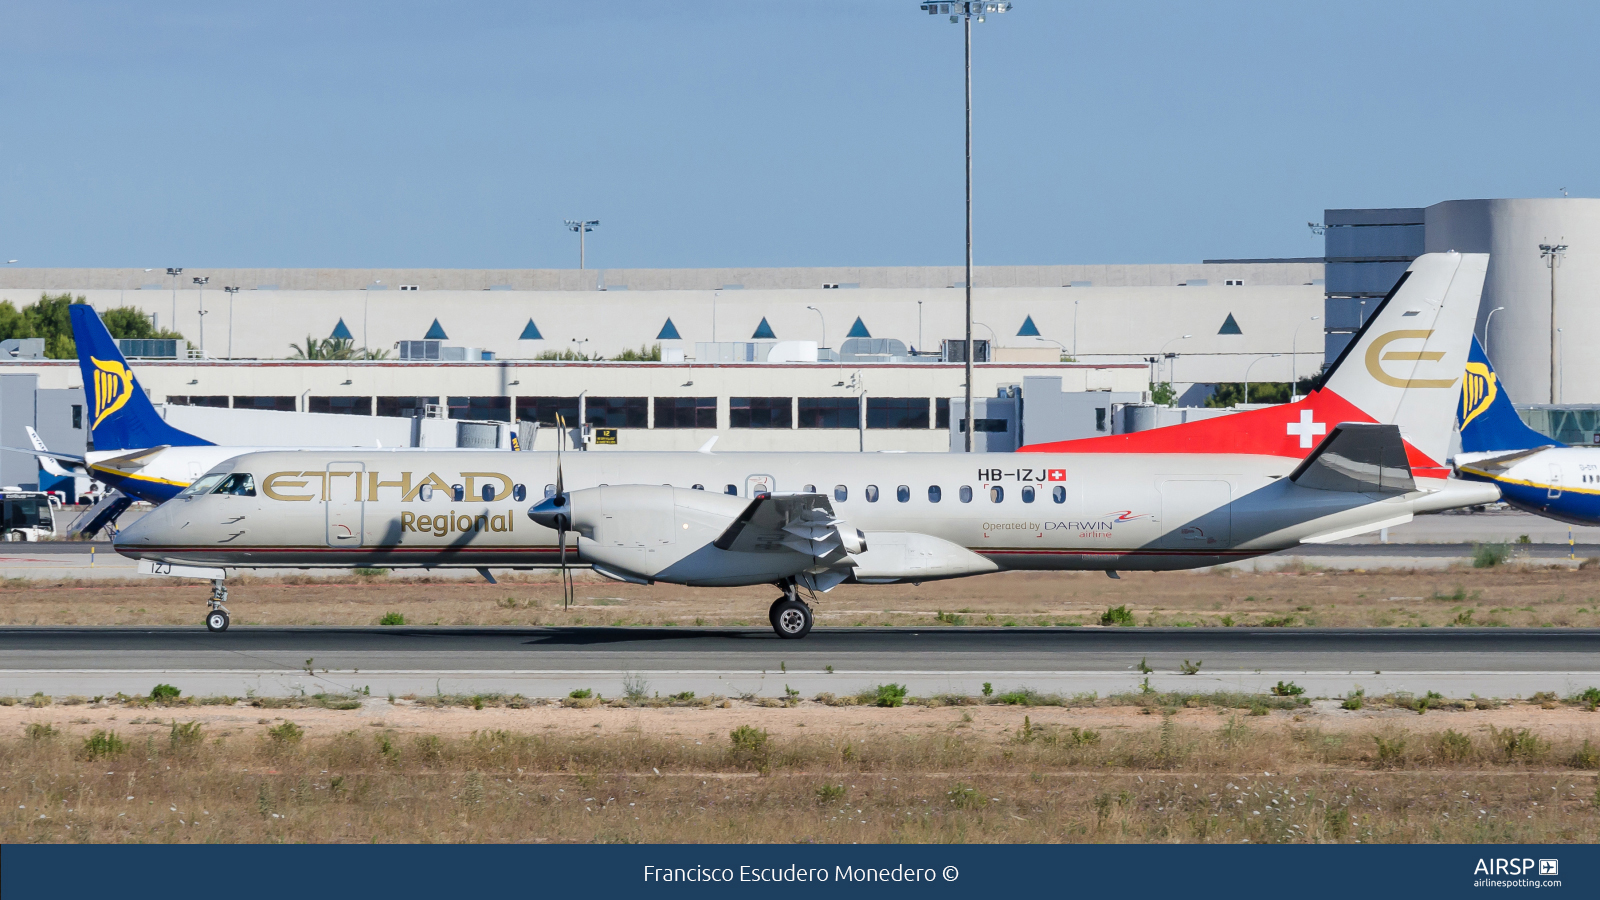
(1360, 458)
(132, 462)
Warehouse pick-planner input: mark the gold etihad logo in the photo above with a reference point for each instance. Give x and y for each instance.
(1376, 358)
(113, 385)
(1478, 390)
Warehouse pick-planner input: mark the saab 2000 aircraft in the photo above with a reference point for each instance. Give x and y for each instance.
(1364, 451)
(1534, 473)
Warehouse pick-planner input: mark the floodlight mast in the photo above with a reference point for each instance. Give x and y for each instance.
(964, 11)
(582, 228)
(1551, 254)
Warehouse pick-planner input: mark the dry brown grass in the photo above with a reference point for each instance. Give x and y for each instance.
(825, 774)
(1509, 596)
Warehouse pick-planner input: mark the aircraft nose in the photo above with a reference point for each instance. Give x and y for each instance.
(150, 530)
(552, 510)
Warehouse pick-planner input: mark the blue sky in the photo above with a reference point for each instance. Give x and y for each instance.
(820, 132)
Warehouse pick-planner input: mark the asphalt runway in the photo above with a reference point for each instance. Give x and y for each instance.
(547, 662)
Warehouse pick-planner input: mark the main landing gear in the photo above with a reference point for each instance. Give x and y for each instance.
(217, 618)
(790, 616)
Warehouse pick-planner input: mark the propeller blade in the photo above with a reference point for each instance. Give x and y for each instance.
(561, 425)
(561, 540)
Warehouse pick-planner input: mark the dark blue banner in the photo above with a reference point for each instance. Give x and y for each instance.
(1189, 872)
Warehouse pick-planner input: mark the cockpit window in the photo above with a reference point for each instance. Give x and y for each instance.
(239, 484)
(204, 485)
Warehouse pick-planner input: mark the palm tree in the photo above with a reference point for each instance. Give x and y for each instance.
(334, 349)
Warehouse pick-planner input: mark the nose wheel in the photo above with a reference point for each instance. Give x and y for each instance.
(217, 618)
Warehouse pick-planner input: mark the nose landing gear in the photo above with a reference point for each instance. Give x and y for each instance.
(790, 617)
(217, 618)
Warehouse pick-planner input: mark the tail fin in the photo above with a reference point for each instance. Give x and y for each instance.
(1403, 365)
(1486, 418)
(120, 414)
(1399, 369)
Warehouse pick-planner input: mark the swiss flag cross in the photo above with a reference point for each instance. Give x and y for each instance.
(1056, 474)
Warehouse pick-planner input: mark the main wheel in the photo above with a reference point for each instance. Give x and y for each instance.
(791, 619)
(772, 611)
(217, 620)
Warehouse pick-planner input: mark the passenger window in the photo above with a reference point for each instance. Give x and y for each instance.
(731, 490)
(934, 493)
(697, 487)
(488, 493)
(997, 494)
(902, 493)
(549, 491)
(1058, 494)
(425, 493)
(239, 484)
(841, 493)
(519, 492)
(458, 493)
(872, 493)
(1027, 493)
(966, 493)
(204, 485)
(811, 489)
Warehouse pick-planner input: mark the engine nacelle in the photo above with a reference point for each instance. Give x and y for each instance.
(660, 533)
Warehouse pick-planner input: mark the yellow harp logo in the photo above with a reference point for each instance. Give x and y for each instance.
(1376, 357)
(113, 385)
(1478, 390)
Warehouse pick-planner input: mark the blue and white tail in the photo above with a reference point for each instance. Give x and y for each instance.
(1488, 422)
(120, 414)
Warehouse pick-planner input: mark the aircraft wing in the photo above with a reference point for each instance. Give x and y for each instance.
(781, 523)
(1360, 458)
(132, 462)
(64, 457)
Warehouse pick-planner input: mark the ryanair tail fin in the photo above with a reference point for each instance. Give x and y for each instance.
(120, 415)
(1487, 420)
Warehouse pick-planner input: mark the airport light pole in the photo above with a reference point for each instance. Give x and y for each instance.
(231, 289)
(824, 321)
(1487, 319)
(582, 228)
(964, 11)
(1163, 354)
(1074, 329)
(173, 273)
(201, 283)
(1294, 361)
(1247, 373)
(1551, 254)
(1561, 382)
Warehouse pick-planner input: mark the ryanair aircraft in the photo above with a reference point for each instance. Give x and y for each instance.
(1534, 472)
(1364, 451)
(135, 451)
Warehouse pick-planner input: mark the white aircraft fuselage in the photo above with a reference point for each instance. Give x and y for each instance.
(923, 516)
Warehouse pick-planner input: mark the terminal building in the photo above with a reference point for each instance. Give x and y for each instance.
(843, 359)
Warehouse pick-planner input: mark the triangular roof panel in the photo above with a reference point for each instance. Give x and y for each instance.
(859, 329)
(436, 333)
(1028, 328)
(1229, 326)
(530, 332)
(669, 332)
(763, 332)
(341, 333)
